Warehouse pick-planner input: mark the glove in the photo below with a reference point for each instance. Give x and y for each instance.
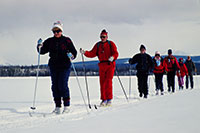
(111, 59)
(166, 72)
(39, 43)
(82, 51)
(70, 56)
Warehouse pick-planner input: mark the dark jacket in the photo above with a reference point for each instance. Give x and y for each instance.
(58, 49)
(190, 66)
(144, 62)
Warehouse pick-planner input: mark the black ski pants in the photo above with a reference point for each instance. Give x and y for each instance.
(142, 82)
(171, 81)
(191, 80)
(159, 81)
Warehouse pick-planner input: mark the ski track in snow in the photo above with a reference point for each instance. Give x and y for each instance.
(20, 117)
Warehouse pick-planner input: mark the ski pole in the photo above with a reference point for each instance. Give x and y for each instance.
(121, 85)
(130, 82)
(79, 84)
(86, 83)
(36, 82)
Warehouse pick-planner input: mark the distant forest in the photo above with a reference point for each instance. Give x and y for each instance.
(22, 71)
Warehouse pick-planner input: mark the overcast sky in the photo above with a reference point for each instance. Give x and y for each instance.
(158, 24)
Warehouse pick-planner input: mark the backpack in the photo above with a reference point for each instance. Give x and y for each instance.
(171, 63)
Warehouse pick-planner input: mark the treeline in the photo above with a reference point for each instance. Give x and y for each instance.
(7, 71)
(20, 71)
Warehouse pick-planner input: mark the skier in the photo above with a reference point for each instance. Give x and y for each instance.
(172, 66)
(191, 69)
(144, 65)
(107, 53)
(61, 50)
(159, 70)
(181, 73)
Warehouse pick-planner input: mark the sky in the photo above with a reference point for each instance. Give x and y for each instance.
(157, 24)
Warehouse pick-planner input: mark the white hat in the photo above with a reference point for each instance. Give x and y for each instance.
(58, 25)
(157, 52)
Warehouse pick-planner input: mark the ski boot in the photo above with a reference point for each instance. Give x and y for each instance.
(109, 102)
(103, 103)
(57, 110)
(66, 109)
(157, 92)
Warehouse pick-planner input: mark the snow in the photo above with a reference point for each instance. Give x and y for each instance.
(178, 112)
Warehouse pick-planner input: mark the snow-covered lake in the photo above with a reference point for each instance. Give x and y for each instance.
(174, 113)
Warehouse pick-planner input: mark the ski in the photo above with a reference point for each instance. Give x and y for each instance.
(37, 114)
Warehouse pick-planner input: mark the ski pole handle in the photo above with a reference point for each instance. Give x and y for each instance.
(82, 51)
(39, 43)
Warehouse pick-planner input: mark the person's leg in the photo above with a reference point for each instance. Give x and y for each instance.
(102, 79)
(157, 81)
(54, 87)
(161, 82)
(186, 82)
(191, 81)
(109, 76)
(145, 85)
(169, 81)
(182, 82)
(179, 82)
(139, 78)
(173, 81)
(63, 86)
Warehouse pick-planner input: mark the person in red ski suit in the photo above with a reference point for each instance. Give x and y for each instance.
(172, 67)
(159, 69)
(181, 73)
(107, 53)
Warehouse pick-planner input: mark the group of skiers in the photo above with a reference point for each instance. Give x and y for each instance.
(62, 51)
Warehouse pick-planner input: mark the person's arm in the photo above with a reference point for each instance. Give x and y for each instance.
(72, 48)
(114, 50)
(165, 65)
(45, 47)
(186, 70)
(151, 64)
(134, 59)
(194, 67)
(177, 64)
(92, 53)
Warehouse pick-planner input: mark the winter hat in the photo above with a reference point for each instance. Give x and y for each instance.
(157, 53)
(169, 51)
(104, 32)
(58, 25)
(142, 47)
(180, 59)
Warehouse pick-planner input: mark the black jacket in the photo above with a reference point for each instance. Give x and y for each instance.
(58, 49)
(144, 62)
(190, 66)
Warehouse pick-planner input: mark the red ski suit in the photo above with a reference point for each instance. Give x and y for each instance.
(106, 69)
(183, 70)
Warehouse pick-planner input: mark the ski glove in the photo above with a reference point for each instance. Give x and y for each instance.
(70, 56)
(82, 51)
(39, 43)
(111, 59)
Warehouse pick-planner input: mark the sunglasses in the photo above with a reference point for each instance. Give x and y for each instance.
(56, 31)
(157, 55)
(102, 36)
